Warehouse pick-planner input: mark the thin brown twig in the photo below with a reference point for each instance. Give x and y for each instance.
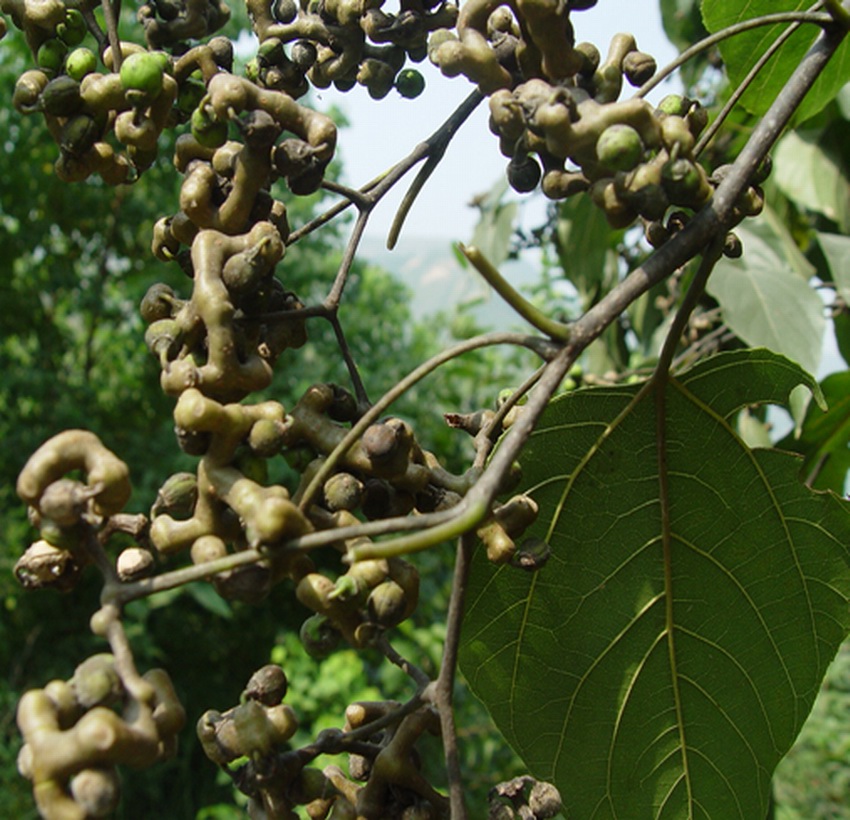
(111, 21)
(739, 92)
(443, 689)
(724, 34)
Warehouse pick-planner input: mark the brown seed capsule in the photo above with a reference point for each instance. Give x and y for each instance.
(544, 800)
(267, 685)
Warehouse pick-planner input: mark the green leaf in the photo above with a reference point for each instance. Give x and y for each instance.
(836, 251)
(662, 662)
(765, 299)
(824, 440)
(205, 596)
(740, 53)
(682, 22)
(492, 234)
(809, 171)
(582, 238)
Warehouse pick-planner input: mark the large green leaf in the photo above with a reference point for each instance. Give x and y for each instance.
(765, 297)
(740, 53)
(810, 172)
(664, 659)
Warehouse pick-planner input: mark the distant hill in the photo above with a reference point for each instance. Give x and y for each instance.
(438, 282)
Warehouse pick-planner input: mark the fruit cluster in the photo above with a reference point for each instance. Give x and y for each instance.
(76, 732)
(344, 43)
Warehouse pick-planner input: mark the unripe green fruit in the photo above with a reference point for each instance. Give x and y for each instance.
(682, 181)
(190, 95)
(51, 54)
(208, 132)
(252, 71)
(72, 31)
(619, 147)
(157, 303)
(252, 467)
(343, 492)
(319, 637)
(80, 62)
(387, 604)
(142, 71)
(61, 97)
(28, 89)
(207, 548)
(270, 52)
(78, 135)
(673, 104)
(409, 83)
(675, 131)
(697, 118)
(177, 496)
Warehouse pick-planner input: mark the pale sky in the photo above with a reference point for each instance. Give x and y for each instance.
(384, 131)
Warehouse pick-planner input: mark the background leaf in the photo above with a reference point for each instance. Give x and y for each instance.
(581, 239)
(682, 22)
(493, 231)
(741, 52)
(824, 441)
(651, 680)
(808, 170)
(836, 251)
(765, 298)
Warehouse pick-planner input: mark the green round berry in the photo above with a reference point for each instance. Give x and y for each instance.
(189, 96)
(142, 71)
(673, 104)
(51, 54)
(208, 132)
(80, 61)
(409, 83)
(619, 147)
(72, 31)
